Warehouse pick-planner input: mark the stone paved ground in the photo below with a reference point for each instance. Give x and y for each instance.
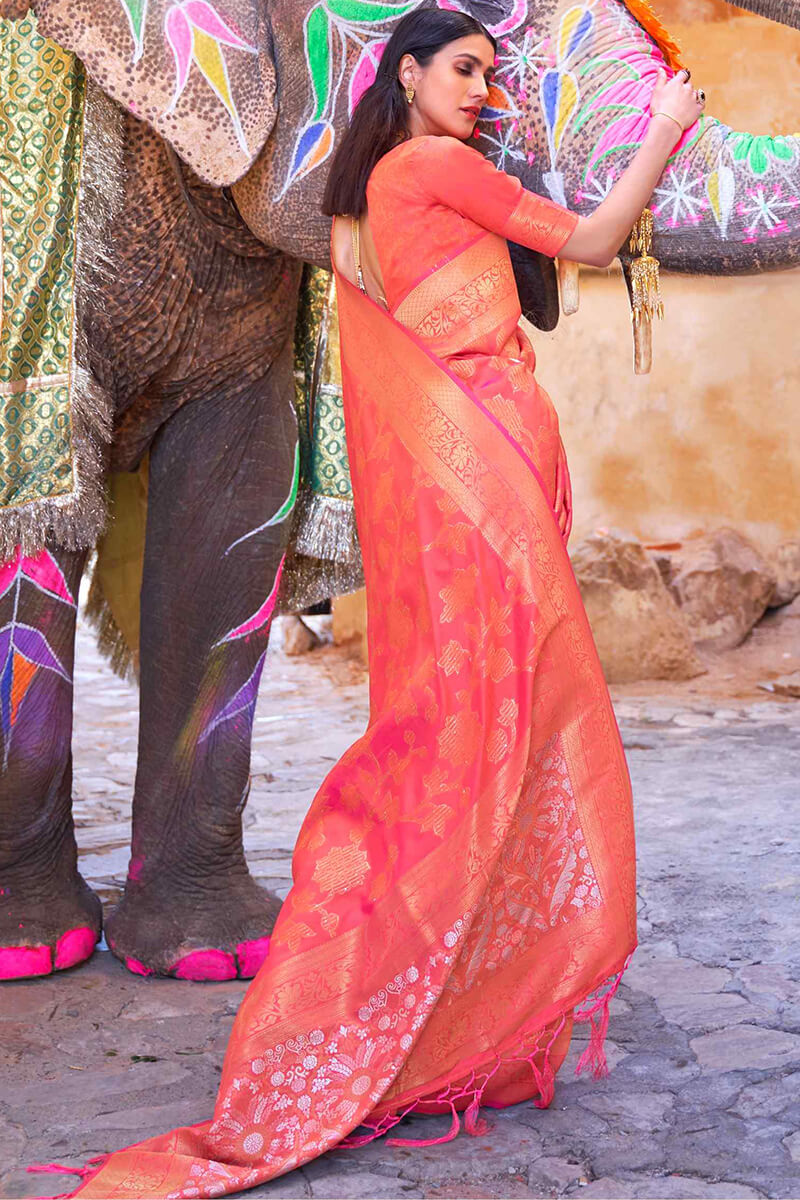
(703, 1097)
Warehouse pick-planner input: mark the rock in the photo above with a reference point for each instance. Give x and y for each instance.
(674, 977)
(768, 1098)
(664, 1187)
(617, 1152)
(712, 1091)
(359, 1185)
(694, 720)
(767, 979)
(33, 999)
(722, 584)
(550, 1171)
(12, 1141)
(707, 1010)
(637, 627)
(717, 1145)
(21, 1185)
(746, 1046)
(151, 1119)
(785, 562)
(627, 1112)
(115, 1081)
(293, 1186)
(784, 685)
(297, 637)
(792, 1144)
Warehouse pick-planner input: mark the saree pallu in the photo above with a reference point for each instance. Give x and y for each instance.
(464, 882)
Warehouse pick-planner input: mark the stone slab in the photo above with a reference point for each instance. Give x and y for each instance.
(746, 1046)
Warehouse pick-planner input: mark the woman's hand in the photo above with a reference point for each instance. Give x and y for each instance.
(677, 98)
(563, 501)
(596, 239)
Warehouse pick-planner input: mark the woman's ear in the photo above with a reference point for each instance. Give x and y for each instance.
(405, 70)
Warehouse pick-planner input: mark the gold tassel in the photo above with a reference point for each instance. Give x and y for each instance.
(646, 301)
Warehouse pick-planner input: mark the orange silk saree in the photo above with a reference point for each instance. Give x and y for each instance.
(464, 882)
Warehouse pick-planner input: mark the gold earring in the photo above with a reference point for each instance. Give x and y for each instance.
(410, 93)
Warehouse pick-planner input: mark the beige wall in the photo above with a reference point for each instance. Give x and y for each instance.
(712, 435)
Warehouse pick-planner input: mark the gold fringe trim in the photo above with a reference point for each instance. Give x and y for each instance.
(307, 581)
(110, 641)
(646, 299)
(324, 555)
(325, 527)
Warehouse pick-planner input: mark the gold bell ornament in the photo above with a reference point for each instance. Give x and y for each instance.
(646, 300)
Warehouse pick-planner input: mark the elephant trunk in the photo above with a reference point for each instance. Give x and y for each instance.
(786, 12)
(728, 203)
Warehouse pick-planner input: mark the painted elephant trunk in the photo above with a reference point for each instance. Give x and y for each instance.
(729, 203)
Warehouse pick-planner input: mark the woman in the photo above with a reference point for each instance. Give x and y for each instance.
(464, 883)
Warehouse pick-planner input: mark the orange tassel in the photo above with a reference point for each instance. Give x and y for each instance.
(648, 20)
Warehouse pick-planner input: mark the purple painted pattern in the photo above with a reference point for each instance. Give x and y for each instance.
(24, 650)
(242, 703)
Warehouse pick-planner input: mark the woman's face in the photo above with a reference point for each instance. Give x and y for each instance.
(450, 91)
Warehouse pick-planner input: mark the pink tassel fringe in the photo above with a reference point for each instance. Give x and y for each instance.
(596, 1013)
(84, 1173)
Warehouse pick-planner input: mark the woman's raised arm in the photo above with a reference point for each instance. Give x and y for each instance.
(464, 180)
(597, 238)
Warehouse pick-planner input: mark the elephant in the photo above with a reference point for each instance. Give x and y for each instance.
(223, 116)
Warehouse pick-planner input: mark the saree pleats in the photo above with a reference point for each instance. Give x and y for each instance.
(464, 882)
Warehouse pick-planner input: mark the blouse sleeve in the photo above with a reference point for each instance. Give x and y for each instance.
(460, 178)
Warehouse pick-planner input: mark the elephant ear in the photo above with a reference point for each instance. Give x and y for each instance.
(201, 72)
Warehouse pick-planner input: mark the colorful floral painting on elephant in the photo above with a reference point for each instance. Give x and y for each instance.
(195, 193)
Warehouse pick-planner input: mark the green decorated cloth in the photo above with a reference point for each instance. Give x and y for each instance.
(324, 557)
(53, 420)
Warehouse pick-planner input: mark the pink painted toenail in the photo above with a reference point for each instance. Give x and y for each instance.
(251, 955)
(19, 962)
(137, 967)
(74, 946)
(205, 964)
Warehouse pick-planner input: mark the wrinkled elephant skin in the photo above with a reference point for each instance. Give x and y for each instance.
(193, 337)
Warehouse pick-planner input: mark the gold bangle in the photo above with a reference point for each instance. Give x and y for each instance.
(669, 116)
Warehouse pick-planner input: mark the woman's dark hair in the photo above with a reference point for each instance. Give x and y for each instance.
(380, 119)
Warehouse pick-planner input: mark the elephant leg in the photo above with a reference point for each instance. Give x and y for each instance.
(223, 475)
(49, 917)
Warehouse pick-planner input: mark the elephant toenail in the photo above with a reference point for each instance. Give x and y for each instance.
(137, 967)
(251, 955)
(205, 965)
(20, 962)
(74, 947)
